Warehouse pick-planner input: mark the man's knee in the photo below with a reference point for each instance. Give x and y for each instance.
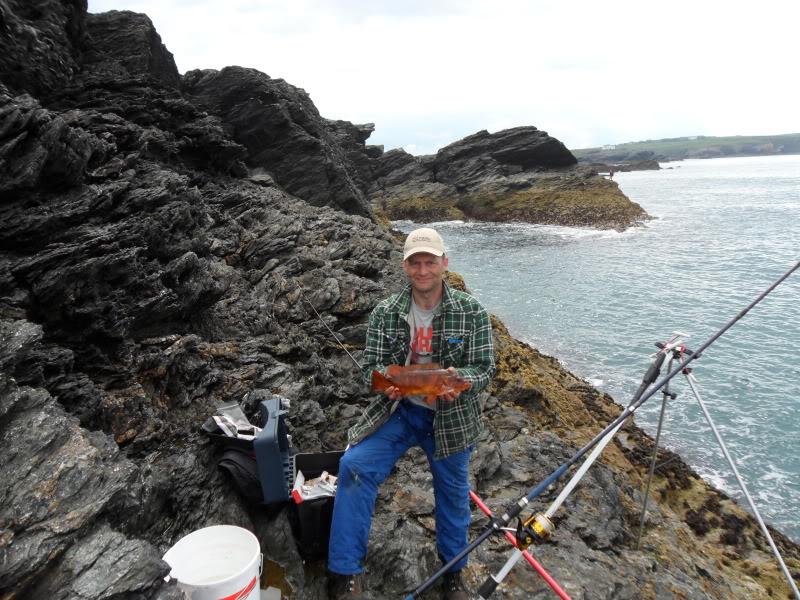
(349, 469)
(358, 465)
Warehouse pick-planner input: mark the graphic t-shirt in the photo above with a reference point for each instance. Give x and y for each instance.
(421, 322)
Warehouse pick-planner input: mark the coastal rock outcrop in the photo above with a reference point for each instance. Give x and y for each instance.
(155, 263)
(519, 174)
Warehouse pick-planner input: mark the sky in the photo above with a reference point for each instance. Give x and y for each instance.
(430, 72)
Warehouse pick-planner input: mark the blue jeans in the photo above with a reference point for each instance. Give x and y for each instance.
(363, 468)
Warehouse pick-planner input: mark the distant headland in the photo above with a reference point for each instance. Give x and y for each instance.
(695, 146)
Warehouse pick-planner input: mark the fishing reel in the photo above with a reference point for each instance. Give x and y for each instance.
(676, 349)
(674, 346)
(537, 528)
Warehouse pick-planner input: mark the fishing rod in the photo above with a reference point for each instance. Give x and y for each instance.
(499, 522)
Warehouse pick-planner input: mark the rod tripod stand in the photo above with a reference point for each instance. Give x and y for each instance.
(538, 528)
(676, 354)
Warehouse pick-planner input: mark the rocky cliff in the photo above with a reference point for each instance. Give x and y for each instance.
(163, 239)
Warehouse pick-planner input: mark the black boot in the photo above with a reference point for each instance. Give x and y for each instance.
(453, 587)
(346, 587)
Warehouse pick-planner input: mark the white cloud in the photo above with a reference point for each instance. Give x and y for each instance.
(588, 73)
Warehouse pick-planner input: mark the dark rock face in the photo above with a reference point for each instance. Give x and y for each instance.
(283, 132)
(621, 157)
(126, 43)
(147, 273)
(624, 167)
(485, 156)
(40, 43)
(43, 149)
(504, 158)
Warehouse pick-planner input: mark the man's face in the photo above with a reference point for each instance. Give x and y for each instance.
(425, 271)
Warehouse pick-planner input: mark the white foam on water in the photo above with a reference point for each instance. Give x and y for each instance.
(718, 480)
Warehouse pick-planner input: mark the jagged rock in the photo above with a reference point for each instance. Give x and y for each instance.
(126, 43)
(43, 38)
(623, 167)
(283, 132)
(619, 156)
(41, 149)
(484, 156)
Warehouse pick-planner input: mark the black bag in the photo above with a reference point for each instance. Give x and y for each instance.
(242, 468)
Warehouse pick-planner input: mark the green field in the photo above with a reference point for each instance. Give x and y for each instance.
(700, 146)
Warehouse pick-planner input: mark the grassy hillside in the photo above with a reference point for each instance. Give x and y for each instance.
(696, 147)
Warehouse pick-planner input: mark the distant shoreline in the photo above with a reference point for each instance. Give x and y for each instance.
(693, 147)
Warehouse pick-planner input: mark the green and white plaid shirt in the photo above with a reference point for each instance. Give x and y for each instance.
(462, 338)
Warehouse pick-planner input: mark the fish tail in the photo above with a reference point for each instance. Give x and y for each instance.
(379, 382)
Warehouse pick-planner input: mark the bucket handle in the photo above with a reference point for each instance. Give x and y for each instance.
(260, 569)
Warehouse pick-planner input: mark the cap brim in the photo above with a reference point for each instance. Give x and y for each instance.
(419, 249)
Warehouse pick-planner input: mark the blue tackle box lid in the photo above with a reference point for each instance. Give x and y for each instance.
(277, 461)
(272, 452)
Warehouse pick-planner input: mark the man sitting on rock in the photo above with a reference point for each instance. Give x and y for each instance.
(427, 322)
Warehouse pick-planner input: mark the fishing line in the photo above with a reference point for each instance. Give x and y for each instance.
(517, 508)
(302, 293)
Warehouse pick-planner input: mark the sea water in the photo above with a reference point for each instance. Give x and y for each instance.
(724, 230)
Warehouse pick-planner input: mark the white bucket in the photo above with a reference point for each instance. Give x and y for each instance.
(222, 562)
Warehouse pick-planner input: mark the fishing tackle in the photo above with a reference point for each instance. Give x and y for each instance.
(499, 522)
(676, 352)
(538, 528)
(491, 583)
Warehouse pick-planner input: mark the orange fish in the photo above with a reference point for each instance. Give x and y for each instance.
(429, 379)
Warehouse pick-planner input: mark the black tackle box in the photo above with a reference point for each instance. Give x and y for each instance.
(277, 464)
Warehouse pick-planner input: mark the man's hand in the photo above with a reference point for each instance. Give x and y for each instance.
(393, 393)
(451, 395)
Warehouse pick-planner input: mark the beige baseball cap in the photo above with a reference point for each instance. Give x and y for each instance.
(423, 240)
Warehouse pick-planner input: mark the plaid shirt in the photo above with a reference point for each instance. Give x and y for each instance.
(462, 339)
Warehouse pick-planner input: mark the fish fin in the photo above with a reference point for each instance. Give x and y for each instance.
(393, 370)
(430, 398)
(379, 382)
